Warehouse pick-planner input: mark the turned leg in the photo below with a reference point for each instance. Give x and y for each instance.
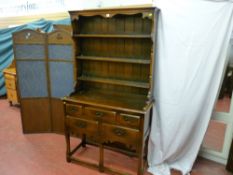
(101, 160)
(10, 102)
(67, 136)
(140, 165)
(84, 141)
(141, 158)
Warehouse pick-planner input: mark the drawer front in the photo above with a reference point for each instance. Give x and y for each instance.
(129, 120)
(9, 76)
(74, 110)
(81, 126)
(12, 95)
(100, 114)
(114, 133)
(10, 83)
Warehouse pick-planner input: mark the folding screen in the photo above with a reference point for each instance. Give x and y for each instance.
(45, 73)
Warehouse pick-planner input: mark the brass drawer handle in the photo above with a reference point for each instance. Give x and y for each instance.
(73, 109)
(127, 119)
(99, 114)
(119, 132)
(81, 124)
(131, 119)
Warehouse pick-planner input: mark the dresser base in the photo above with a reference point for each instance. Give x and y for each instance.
(100, 166)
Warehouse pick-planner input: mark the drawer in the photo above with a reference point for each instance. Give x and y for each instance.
(12, 95)
(114, 133)
(129, 120)
(81, 126)
(73, 110)
(100, 114)
(10, 83)
(9, 76)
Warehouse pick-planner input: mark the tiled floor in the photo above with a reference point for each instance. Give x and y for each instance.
(44, 154)
(223, 104)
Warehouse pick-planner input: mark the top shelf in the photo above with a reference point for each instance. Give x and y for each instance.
(111, 36)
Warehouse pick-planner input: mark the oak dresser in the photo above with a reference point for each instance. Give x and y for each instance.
(111, 106)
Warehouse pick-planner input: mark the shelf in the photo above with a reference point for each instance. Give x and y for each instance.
(115, 59)
(111, 36)
(112, 100)
(115, 81)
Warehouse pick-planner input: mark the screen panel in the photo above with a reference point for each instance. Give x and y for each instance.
(60, 52)
(61, 78)
(35, 115)
(32, 79)
(29, 51)
(61, 74)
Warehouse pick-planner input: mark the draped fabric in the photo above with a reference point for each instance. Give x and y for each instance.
(193, 37)
(6, 46)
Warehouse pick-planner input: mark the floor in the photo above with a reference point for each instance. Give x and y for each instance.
(223, 104)
(44, 154)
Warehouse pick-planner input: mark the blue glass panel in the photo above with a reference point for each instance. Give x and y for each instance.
(32, 79)
(61, 52)
(61, 78)
(32, 51)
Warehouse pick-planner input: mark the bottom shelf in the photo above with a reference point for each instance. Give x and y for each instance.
(125, 102)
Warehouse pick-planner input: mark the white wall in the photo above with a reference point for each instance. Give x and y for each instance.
(9, 17)
(93, 4)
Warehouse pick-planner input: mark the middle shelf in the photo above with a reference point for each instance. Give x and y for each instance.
(115, 59)
(148, 36)
(138, 84)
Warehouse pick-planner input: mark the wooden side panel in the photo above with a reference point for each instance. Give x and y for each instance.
(35, 115)
(214, 137)
(60, 37)
(57, 115)
(28, 36)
